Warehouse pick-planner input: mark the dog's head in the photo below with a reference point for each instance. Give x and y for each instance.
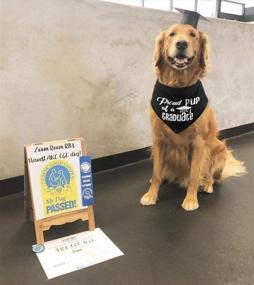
(182, 47)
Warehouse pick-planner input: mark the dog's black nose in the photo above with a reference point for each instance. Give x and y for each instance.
(181, 45)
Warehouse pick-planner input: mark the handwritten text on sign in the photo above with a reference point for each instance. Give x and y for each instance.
(64, 151)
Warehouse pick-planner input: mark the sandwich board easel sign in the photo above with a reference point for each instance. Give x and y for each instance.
(58, 184)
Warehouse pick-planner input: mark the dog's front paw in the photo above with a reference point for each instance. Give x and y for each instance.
(148, 199)
(190, 203)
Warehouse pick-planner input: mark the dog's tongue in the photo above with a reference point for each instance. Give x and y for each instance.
(181, 60)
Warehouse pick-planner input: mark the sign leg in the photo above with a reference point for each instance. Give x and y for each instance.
(91, 222)
(38, 233)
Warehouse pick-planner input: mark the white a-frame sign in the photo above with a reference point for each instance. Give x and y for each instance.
(58, 184)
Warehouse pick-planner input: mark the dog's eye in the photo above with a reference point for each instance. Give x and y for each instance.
(192, 34)
(172, 34)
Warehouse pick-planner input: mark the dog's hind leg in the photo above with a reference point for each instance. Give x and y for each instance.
(206, 181)
(151, 196)
(213, 165)
(219, 155)
(208, 187)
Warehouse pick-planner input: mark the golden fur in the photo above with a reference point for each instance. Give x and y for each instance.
(194, 157)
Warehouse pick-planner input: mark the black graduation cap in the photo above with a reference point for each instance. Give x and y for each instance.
(190, 17)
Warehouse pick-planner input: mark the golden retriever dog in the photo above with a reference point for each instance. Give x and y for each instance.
(195, 157)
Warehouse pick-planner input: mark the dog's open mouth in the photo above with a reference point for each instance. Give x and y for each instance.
(180, 61)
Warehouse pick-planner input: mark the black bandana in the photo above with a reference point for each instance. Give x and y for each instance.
(179, 107)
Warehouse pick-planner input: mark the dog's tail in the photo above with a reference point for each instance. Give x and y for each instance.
(233, 167)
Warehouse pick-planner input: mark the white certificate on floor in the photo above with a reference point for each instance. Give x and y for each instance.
(77, 251)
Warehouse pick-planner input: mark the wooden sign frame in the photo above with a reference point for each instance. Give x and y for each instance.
(86, 214)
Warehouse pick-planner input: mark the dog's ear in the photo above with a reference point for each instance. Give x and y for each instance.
(157, 53)
(204, 53)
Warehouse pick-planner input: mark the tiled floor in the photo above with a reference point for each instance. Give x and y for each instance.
(163, 244)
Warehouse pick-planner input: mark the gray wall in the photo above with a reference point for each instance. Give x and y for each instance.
(249, 14)
(84, 68)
